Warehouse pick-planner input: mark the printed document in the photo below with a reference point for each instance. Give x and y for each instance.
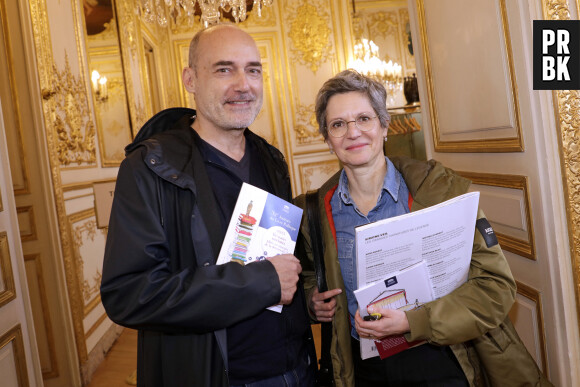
(441, 235)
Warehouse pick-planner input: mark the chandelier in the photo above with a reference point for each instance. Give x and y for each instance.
(209, 11)
(367, 62)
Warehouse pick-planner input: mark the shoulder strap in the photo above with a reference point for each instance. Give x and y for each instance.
(313, 215)
(325, 375)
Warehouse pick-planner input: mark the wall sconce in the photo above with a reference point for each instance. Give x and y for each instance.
(99, 86)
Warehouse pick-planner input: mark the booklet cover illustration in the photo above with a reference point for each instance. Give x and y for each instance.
(404, 290)
(262, 226)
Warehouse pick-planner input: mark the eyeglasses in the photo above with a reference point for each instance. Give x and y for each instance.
(364, 122)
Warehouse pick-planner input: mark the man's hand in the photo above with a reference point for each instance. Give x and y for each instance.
(323, 310)
(287, 267)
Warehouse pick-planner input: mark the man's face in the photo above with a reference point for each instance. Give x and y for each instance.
(227, 80)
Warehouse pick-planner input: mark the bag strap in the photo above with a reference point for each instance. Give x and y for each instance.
(312, 211)
(316, 239)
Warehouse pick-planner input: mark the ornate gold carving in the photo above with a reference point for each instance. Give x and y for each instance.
(108, 34)
(568, 105)
(310, 35)
(140, 115)
(8, 293)
(75, 130)
(525, 248)
(268, 18)
(88, 289)
(327, 167)
(380, 23)
(45, 59)
(126, 15)
(14, 336)
(306, 127)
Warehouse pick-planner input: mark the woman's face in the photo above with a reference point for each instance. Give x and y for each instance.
(356, 148)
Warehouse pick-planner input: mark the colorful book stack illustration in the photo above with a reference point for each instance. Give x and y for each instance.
(262, 226)
(244, 230)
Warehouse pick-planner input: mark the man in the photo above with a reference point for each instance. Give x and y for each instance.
(202, 324)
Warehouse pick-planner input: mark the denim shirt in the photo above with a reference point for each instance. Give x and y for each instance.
(347, 216)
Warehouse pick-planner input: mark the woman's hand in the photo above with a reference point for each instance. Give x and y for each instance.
(322, 310)
(392, 322)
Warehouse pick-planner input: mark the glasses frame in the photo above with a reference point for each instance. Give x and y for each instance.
(329, 130)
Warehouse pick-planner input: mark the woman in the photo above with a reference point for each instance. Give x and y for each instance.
(353, 119)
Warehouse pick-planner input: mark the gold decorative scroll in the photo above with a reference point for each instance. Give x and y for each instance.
(71, 119)
(306, 126)
(310, 35)
(568, 122)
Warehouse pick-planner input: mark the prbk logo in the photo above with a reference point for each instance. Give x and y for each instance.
(556, 54)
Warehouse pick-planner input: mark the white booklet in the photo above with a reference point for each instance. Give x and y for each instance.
(262, 226)
(407, 289)
(441, 235)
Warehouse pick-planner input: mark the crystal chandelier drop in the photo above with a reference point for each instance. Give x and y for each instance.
(367, 62)
(210, 11)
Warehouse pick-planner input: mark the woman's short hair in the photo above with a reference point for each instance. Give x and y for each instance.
(347, 81)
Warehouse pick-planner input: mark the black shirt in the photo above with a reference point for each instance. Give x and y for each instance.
(269, 343)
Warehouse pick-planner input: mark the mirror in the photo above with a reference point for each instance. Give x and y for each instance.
(387, 25)
(107, 80)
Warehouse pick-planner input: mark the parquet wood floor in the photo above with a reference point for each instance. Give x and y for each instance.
(121, 361)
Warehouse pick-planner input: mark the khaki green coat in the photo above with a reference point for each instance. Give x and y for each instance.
(476, 307)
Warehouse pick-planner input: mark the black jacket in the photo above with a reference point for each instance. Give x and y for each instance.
(159, 273)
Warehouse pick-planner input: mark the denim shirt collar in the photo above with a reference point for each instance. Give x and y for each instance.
(391, 184)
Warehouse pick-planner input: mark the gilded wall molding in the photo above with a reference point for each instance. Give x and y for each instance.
(50, 370)
(513, 143)
(75, 130)
(27, 233)
(83, 227)
(306, 127)
(524, 248)
(8, 293)
(45, 66)
(326, 167)
(309, 34)
(82, 232)
(126, 16)
(567, 104)
(12, 109)
(536, 297)
(14, 337)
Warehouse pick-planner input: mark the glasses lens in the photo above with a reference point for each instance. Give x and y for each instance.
(365, 122)
(337, 128)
